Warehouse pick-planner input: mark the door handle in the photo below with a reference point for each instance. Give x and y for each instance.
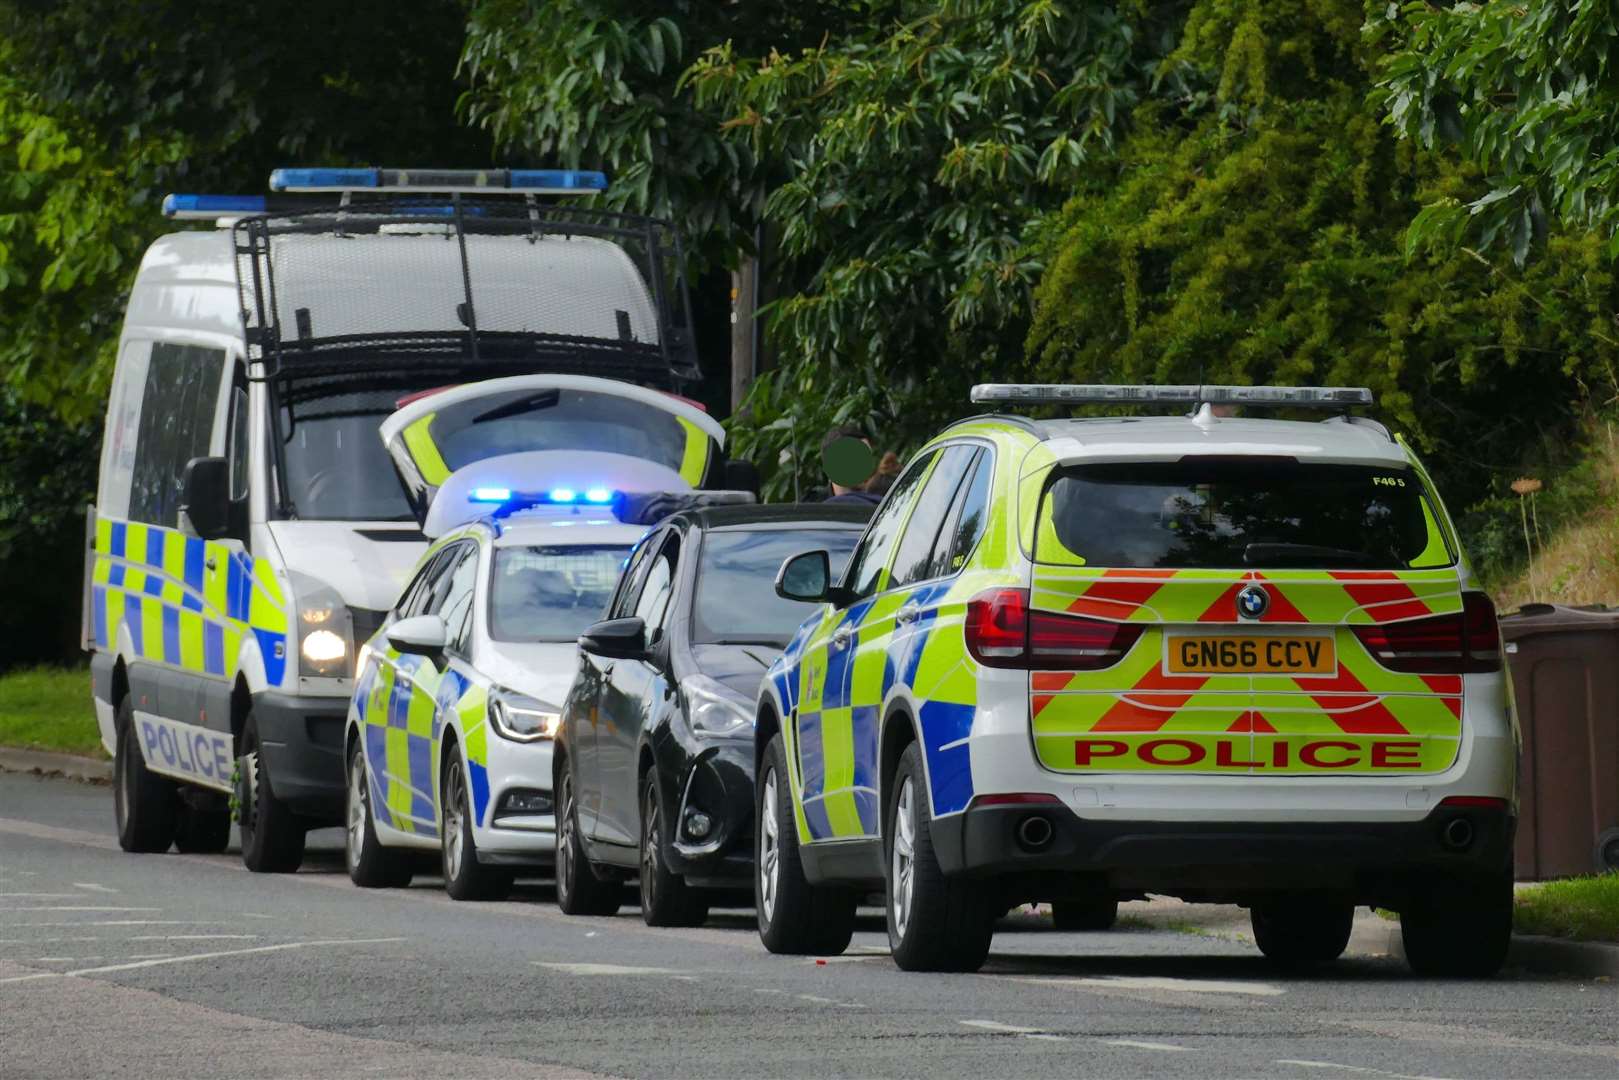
(906, 614)
(840, 638)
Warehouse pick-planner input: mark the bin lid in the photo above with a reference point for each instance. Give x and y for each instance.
(1534, 619)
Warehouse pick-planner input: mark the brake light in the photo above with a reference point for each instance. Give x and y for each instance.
(1002, 631)
(1467, 643)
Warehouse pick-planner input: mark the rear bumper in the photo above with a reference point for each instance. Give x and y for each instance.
(1223, 860)
(302, 740)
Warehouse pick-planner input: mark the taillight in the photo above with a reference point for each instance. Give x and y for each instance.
(1460, 644)
(1002, 631)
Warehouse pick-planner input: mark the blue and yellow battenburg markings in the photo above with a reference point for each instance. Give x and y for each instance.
(178, 610)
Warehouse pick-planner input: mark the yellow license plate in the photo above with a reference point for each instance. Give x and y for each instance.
(1251, 655)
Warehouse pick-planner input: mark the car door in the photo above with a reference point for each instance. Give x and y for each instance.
(461, 689)
(629, 696)
(589, 693)
(823, 728)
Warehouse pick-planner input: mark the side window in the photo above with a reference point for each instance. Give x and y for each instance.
(123, 428)
(455, 598)
(629, 582)
(866, 567)
(960, 534)
(237, 447)
(414, 598)
(913, 560)
(177, 416)
(653, 605)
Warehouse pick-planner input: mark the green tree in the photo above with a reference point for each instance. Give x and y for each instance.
(1527, 90)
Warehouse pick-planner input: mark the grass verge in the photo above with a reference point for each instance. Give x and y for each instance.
(48, 708)
(1583, 908)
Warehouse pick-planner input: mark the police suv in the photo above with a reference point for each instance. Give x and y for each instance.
(1227, 659)
(250, 528)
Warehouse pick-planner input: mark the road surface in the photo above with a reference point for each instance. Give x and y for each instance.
(178, 965)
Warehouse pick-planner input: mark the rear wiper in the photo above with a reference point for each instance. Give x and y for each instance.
(1263, 553)
(545, 399)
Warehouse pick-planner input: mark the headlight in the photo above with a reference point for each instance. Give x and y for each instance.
(324, 629)
(713, 708)
(521, 718)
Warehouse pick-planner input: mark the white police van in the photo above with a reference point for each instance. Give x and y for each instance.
(250, 528)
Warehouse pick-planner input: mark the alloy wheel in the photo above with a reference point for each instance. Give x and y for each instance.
(359, 810)
(769, 847)
(649, 849)
(565, 864)
(455, 821)
(904, 861)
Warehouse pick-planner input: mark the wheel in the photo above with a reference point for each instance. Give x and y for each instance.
(795, 917)
(1097, 912)
(935, 923)
(272, 835)
(579, 890)
(1301, 933)
(371, 866)
(202, 830)
(1459, 928)
(464, 877)
(666, 899)
(145, 805)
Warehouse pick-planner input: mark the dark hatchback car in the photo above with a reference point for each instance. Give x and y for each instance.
(654, 758)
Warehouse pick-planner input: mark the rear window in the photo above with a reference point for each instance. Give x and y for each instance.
(544, 593)
(557, 419)
(1224, 514)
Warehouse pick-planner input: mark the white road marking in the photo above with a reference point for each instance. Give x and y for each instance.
(834, 1002)
(1350, 1068)
(765, 990)
(684, 978)
(1165, 982)
(191, 937)
(1013, 1029)
(60, 959)
(817, 961)
(92, 886)
(34, 896)
(1137, 1044)
(148, 956)
(82, 907)
(131, 966)
(606, 969)
(130, 922)
(45, 940)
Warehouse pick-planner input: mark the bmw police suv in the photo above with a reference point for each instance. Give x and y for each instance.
(1233, 660)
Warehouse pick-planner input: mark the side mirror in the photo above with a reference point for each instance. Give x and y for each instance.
(205, 497)
(742, 476)
(807, 577)
(617, 639)
(423, 635)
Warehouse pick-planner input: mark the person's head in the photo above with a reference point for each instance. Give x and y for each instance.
(847, 458)
(887, 472)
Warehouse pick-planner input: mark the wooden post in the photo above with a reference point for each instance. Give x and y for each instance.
(744, 300)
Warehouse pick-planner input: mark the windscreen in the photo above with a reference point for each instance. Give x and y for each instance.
(1230, 513)
(544, 593)
(557, 419)
(736, 601)
(336, 466)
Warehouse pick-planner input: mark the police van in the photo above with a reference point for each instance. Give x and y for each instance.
(251, 528)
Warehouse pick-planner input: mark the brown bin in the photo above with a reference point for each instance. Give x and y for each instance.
(1565, 678)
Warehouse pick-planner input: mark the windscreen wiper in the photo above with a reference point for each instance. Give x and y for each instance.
(1264, 553)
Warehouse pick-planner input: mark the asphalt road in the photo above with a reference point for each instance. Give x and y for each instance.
(176, 965)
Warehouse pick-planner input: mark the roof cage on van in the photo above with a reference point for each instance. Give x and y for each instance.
(1298, 397)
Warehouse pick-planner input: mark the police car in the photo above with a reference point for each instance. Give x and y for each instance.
(1234, 660)
(448, 739)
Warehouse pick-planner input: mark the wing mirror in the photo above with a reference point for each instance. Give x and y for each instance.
(205, 497)
(807, 577)
(617, 639)
(423, 635)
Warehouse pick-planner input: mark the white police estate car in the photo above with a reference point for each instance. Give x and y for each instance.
(456, 701)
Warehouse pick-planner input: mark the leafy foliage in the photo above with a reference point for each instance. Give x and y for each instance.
(1527, 89)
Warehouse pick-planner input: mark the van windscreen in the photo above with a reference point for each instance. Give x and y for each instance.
(337, 468)
(1225, 513)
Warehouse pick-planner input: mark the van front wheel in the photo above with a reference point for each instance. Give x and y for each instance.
(272, 835)
(145, 805)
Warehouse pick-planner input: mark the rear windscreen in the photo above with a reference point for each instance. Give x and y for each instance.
(1223, 513)
(557, 419)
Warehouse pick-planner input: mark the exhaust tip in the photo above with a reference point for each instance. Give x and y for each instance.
(1457, 834)
(1035, 832)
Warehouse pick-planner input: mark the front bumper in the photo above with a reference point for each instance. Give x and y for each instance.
(717, 780)
(505, 837)
(302, 743)
(1225, 861)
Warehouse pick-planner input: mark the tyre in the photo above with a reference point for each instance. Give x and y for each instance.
(666, 899)
(1459, 928)
(1097, 912)
(371, 866)
(795, 917)
(145, 805)
(579, 890)
(272, 835)
(464, 877)
(935, 923)
(1302, 933)
(202, 830)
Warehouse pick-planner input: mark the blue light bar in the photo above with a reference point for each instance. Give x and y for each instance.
(598, 495)
(193, 207)
(474, 181)
(563, 495)
(491, 494)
